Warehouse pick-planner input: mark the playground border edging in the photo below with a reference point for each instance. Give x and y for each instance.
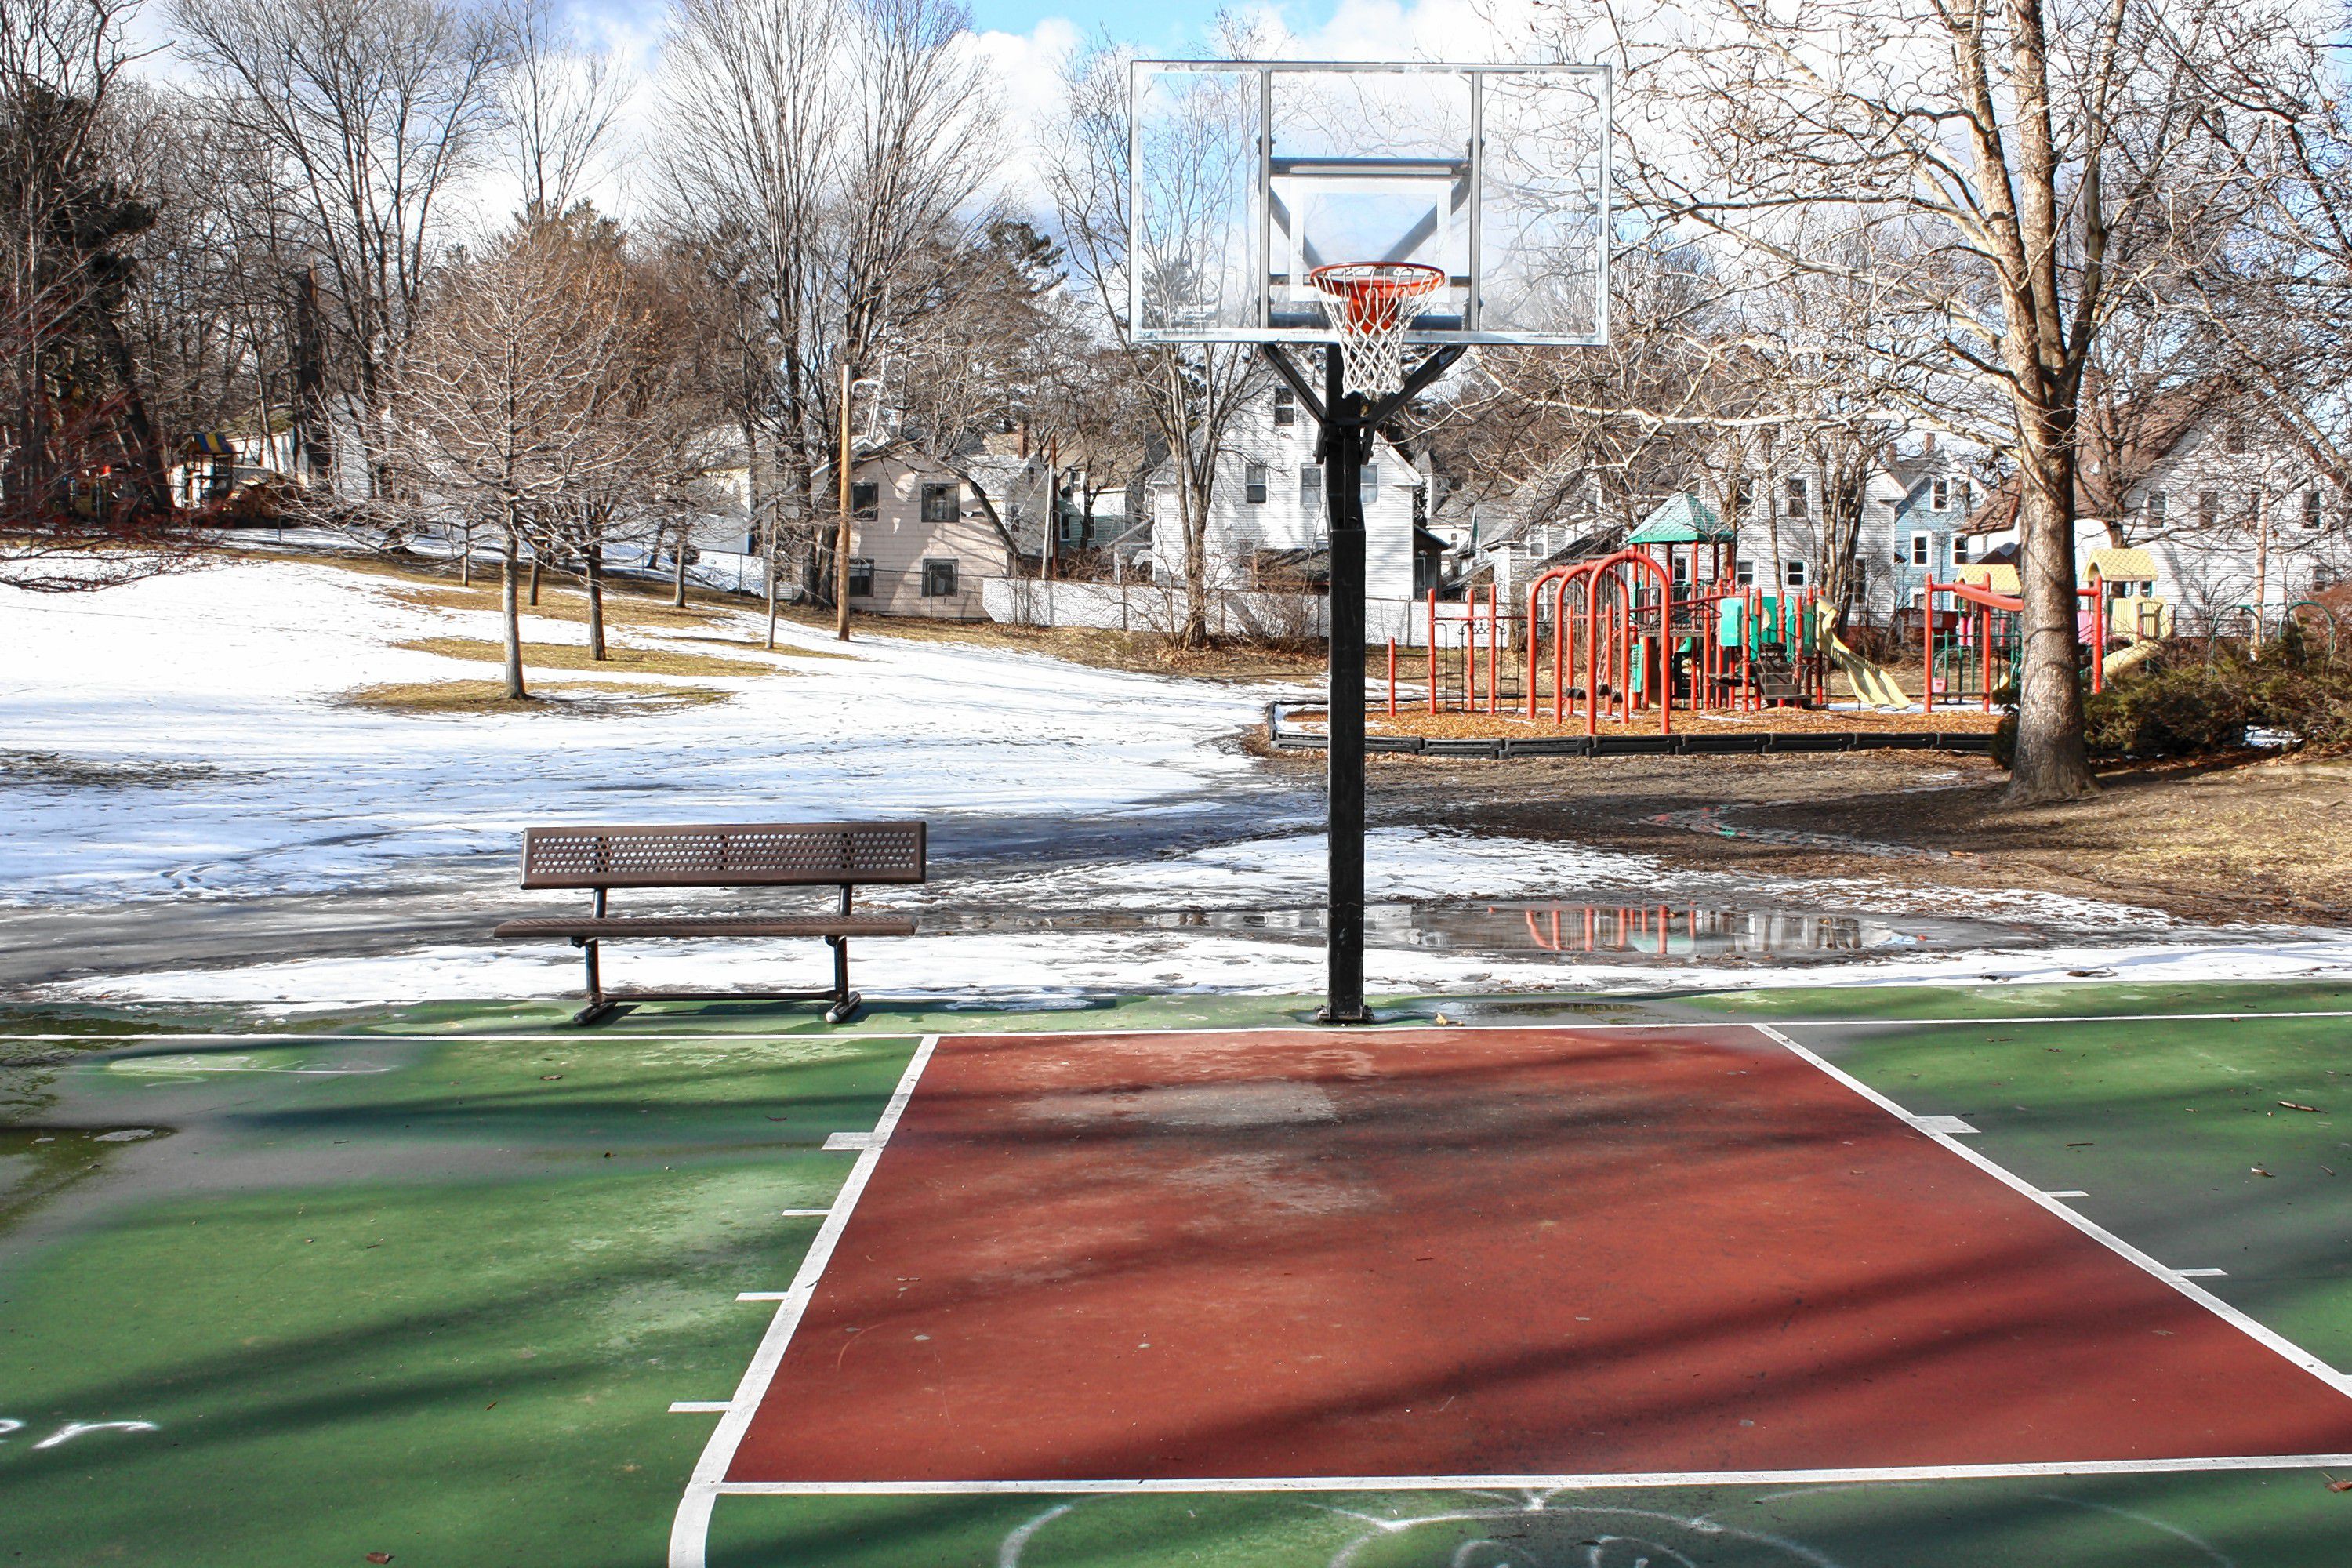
(1495, 749)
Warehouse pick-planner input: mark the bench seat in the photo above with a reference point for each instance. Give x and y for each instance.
(583, 927)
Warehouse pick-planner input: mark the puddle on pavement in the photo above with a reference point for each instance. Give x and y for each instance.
(1656, 934)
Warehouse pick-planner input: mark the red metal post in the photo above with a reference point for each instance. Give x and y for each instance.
(1433, 650)
(1391, 678)
(1927, 648)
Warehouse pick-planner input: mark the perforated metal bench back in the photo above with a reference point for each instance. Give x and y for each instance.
(724, 855)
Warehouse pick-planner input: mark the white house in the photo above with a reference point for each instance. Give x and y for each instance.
(2234, 514)
(1269, 525)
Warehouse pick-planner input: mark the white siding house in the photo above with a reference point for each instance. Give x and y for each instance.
(2233, 513)
(1267, 520)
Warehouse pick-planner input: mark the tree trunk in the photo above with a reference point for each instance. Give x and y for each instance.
(2051, 762)
(465, 556)
(677, 582)
(1195, 633)
(511, 597)
(534, 578)
(594, 573)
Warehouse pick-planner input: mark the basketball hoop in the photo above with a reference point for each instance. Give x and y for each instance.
(1370, 304)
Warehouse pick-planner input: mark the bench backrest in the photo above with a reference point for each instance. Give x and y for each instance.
(724, 855)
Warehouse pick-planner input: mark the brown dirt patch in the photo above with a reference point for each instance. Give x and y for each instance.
(2239, 839)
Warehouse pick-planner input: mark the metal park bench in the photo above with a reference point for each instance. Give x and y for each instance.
(845, 855)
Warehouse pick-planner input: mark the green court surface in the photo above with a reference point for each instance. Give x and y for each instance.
(426, 1284)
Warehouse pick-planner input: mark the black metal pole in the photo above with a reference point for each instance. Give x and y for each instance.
(1346, 435)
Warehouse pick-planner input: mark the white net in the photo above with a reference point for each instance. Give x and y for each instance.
(1370, 304)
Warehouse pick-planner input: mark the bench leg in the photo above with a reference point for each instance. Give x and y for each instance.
(845, 1002)
(599, 1006)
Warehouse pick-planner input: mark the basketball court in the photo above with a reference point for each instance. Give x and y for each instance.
(1559, 1257)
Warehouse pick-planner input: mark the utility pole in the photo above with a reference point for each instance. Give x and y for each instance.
(841, 545)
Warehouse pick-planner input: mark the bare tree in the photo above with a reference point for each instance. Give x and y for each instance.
(2019, 168)
(372, 110)
(519, 370)
(830, 148)
(561, 103)
(1194, 391)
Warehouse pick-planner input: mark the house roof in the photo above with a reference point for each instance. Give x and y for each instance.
(2150, 429)
(1682, 518)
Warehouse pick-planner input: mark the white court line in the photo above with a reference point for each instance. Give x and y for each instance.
(1599, 1482)
(803, 1213)
(2202, 1273)
(2069, 1192)
(2178, 1279)
(697, 1407)
(689, 1531)
(1098, 1027)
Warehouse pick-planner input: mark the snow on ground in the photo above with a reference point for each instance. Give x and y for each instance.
(236, 668)
(218, 690)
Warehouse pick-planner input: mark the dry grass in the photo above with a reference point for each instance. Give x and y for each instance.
(618, 661)
(1147, 653)
(581, 699)
(782, 650)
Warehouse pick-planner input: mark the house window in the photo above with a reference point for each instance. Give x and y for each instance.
(939, 579)
(1792, 572)
(1743, 494)
(939, 506)
(2155, 509)
(1938, 496)
(1959, 550)
(1682, 567)
(1369, 489)
(2209, 508)
(2235, 440)
(1923, 550)
(1254, 484)
(2311, 509)
(1310, 485)
(861, 578)
(1744, 573)
(1796, 497)
(864, 500)
(1286, 404)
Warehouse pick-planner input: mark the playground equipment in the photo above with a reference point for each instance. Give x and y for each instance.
(1974, 647)
(1873, 684)
(1609, 640)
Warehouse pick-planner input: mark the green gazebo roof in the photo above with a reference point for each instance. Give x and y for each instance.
(1682, 518)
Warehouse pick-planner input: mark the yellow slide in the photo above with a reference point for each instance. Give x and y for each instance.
(2138, 651)
(1873, 683)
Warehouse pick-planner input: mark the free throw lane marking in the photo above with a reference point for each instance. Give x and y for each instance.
(2178, 1280)
(690, 1530)
(839, 1141)
(697, 1407)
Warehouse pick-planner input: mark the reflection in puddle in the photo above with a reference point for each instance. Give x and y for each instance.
(1657, 932)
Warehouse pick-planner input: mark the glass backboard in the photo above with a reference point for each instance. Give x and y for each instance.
(1243, 176)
